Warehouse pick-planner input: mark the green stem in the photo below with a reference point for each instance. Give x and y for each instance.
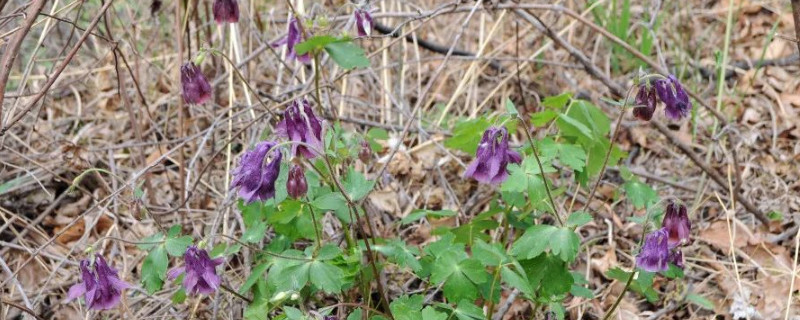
(610, 147)
(541, 171)
(316, 228)
(633, 272)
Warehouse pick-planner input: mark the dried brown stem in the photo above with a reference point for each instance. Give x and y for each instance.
(12, 50)
(51, 78)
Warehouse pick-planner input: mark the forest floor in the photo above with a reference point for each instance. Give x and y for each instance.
(79, 165)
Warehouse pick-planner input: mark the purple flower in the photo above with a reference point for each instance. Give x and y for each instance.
(201, 274)
(196, 88)
(645, 102)
(101, 287)
(293, 37)
(655, 252)
(296, 184)
(676, 258)
(255, 177)
(226, 11)
(492, 157)
(676, 101)
(677, 223)
(301, 125)
(363, 22)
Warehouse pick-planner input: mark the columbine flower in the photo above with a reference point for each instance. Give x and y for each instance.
(645, 102)
(363, 22)
(677, 223)
(676, 101)
(296, 184)
(196, 88)
(101, 287)
(293, 37)
(492, 157)
(655, 252)
(301, 125)
(255, 177)
(676, 258)
(226, 11)
(201, 274)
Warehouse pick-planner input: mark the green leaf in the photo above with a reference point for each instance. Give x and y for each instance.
(564, 243)
(154, 269)
(314, 43)
(429, 313)
(700, 301)
(467, 134)
(355, 315)
(347, 55)
(255, 233)
(179, 296)
(151, 241)
(420, 213)
(510, 108)
(256, 274)
(582, 292)
(516, 280)
(174, 231)
(775, 216)
(407, 308)
(488, 254)
(467, 310)
(591, 116)
(541, 118)
(398, 252)
(177, 246)
(533, 242)
(557, 102)
(356, 185)
(571, 127)
(325, 276)
(578, 218)
(640, 194)
(333, 201)
(293, 313)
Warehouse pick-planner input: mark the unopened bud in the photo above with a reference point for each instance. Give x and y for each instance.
(296, 184)
(365, 154)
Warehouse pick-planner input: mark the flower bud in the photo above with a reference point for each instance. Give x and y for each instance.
(196, 88)
(363, 22)
(296, 185)
(226, 11)
(365, 154)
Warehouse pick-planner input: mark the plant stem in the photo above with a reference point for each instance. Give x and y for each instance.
(541, 171)
(633, 272)
(610, 147)
(316, 228)
(622, 294)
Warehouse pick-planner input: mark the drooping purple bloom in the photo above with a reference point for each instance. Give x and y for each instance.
(677, 223)
(296, 185)
(301, 125)
(363, 22)
(258, 169)
(226, 11)
(654, 256)
(196, 88)
(676, 258)
(676, 101)
(492, 157)
(201, 274)
(293, 37)
(645, 102)
(101, 286)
